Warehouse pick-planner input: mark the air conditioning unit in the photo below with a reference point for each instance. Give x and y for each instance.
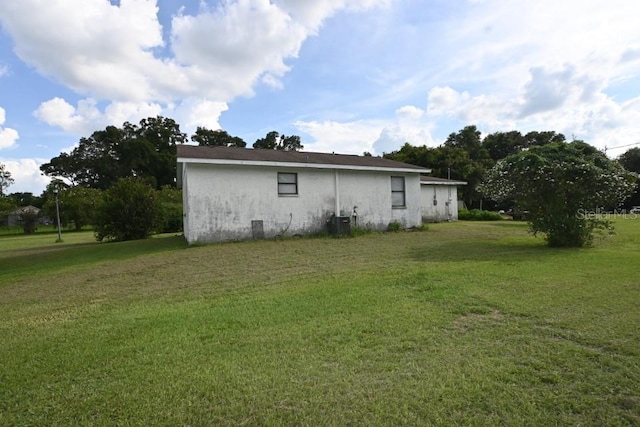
(340, 225)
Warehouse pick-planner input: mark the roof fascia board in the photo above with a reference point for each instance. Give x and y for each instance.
(443, 183)
(298, 165)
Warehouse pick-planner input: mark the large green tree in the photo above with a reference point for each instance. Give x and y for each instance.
(469, 160)
(462, 157)
(96, 162)
(502, 144)
(631, 162)
(5, 179)
(146, 151)
(466, 156)
(6, 206)
(561, 185)
(26, 199)
(77, 205)
(274, 141)
(216, 138)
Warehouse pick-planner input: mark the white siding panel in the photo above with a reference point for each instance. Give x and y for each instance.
(439, 203)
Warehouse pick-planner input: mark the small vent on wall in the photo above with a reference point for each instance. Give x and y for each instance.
(257, 229)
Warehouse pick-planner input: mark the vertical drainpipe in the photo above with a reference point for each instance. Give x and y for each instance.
(185, 201)
(337, 199)
(449, 213)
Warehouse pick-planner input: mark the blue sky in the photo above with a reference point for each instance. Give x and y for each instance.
(346, 75)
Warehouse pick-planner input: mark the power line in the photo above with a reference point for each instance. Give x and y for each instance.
(620, 146)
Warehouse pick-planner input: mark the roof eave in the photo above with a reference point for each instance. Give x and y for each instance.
(454, 183)
(301, 165)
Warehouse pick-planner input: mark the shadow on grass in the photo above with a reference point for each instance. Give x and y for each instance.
(46, 259)
(487, 250)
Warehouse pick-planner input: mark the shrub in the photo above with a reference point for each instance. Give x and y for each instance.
(478, 215)
(129, 210)
(29, 221)
(394, 226)
(170, 215)
(361, 231)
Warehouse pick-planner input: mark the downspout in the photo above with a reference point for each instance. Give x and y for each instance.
(185, 203)
(449, 213)
(337, 198)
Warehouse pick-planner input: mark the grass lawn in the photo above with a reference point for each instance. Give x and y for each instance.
(463, 324)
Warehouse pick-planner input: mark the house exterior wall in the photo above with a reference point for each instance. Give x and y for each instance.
(439, 203)
(221, 201)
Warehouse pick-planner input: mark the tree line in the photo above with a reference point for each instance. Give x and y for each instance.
(146, 150)
(466, 156)
(122, 179)
(113, 162)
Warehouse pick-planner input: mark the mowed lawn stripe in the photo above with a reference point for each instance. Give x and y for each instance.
(467, 323)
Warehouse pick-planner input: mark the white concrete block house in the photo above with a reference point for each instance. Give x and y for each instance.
(439, 199)
(237, 193)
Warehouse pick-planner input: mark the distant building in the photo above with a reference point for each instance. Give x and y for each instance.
(14, 218)
(439, 199)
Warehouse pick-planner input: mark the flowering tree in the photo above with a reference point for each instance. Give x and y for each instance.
(560, 185)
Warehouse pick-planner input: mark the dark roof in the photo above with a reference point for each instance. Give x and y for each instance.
(260, 155)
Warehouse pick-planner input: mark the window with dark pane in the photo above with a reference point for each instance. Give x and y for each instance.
(397, 192)
(287, 184)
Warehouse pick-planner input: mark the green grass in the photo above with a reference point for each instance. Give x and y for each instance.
(464, 324)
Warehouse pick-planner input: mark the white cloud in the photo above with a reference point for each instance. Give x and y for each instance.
(563, 101)
(93, 47)
(228, 49)
(396, 135)
(312, 13)
(410, 112)
(547, 91)
(4, 70)
(498, 64)
(631, 54)
(344, 138)
(116, 113)
(194, 112)
(356, 137)
(59, 112)
(113, 52)
(26, 174)
(488, 110)
(444, 100)
(86, 117)
(8, 136)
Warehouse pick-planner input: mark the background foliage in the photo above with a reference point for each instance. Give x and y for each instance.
(129, 210)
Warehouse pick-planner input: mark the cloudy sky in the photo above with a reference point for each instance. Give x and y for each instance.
(346, 75)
